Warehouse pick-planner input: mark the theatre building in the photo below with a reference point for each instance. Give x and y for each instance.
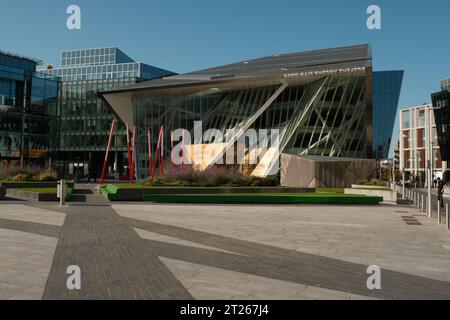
(326, 103)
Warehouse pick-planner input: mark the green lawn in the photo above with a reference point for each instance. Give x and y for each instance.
(133, 186)
(321, 196)
(142, 186)
(377, 189)
(330, 190)
(110, 191)
(324, 198)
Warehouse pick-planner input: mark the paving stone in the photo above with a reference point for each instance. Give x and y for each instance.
(136, 251)
(114, 262)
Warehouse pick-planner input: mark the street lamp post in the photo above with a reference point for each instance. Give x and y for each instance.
(430, 159)
(429, 164)
(393, 173)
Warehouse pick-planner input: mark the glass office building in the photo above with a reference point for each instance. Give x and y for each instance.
(445, 84)
(321, 100)
(441, 104)
(386, 87)
(28, 111)
(85, 119)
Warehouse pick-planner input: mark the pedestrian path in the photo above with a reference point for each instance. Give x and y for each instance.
(148, 251)
(113, 259)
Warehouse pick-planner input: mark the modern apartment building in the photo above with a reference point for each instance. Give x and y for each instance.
(415, 142)
(85, 119)
(29, 103)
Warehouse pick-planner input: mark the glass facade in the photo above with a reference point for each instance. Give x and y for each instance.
(84, 117)
(441, 103)
(326, 117)
(93, 57)
(445, 84)
(28, 110)
(102, 64)
(386, 86)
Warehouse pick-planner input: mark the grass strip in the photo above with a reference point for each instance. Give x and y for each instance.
(265, 199)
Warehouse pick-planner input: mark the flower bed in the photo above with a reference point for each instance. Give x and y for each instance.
(212, 177)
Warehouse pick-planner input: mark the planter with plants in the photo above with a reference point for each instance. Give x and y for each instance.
(211, 181)
(26, 174)
(373, 188)
(371, 184)
(30, 182)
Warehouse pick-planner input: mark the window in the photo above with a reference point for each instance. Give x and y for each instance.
(406, 119)
(421, 118)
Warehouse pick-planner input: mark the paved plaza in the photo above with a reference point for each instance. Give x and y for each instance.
(151, 251)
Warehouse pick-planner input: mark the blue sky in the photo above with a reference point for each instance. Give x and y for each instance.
(187, 35)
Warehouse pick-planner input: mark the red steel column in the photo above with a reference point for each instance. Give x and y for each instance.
(162, 152)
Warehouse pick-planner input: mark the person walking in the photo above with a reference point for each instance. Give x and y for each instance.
(441, 187)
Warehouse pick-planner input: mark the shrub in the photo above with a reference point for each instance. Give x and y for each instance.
(377, 183)
(212, 177)
(373, 182)
(271, 181)
(47, 176)
(28, 173)
(20, 177)
(12, 171)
